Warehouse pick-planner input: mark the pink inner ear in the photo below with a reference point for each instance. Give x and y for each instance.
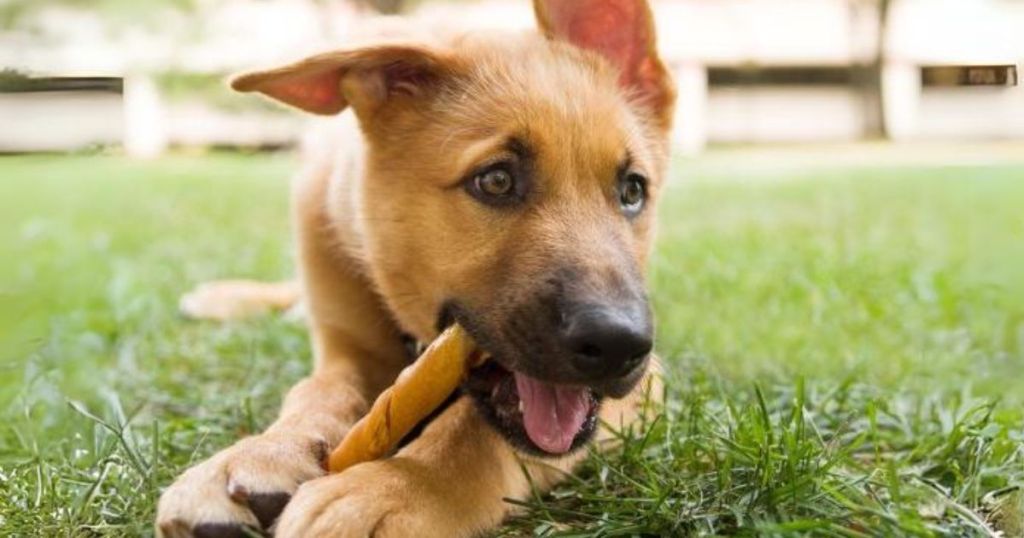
(615, 29)
(318, 92)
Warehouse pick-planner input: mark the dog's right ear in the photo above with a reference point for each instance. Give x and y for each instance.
(365, 78)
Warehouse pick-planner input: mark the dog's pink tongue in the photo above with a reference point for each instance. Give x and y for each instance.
(552, 414)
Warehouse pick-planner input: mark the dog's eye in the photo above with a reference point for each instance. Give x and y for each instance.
(632, 193)
(497, 182)
(496, 185)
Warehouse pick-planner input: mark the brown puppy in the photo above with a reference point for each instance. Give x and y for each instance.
(506, 182)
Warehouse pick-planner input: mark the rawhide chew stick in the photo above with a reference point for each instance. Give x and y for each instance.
(419, 389)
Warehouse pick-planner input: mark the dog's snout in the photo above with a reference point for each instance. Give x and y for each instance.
(606, 342)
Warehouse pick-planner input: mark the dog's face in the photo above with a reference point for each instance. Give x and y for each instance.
(509, 186)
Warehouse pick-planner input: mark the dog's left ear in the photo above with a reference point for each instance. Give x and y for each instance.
(622, 31)
(365, 78)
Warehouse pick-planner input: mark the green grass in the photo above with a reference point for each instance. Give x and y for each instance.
(844, 349)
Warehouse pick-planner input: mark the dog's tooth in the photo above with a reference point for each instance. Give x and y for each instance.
(520, 406)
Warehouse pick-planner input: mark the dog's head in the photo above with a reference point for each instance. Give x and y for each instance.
(509, 185)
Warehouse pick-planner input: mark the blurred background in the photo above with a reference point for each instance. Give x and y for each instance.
(843, 227)
(148, 76)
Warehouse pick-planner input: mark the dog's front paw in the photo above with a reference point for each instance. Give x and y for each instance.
(241, 490)
(393, 497)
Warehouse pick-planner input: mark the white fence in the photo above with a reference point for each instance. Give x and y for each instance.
(695, 36)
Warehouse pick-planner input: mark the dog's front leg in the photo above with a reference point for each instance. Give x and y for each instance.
(449, 482)
(245, 486)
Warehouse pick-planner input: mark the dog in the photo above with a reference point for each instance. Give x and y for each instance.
(503, 181)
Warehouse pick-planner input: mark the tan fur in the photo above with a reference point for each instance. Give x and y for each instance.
(225, 300)
(383, 236)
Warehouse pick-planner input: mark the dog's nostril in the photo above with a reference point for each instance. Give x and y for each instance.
(589, 350)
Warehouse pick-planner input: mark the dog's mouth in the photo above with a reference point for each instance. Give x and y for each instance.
(538, 417)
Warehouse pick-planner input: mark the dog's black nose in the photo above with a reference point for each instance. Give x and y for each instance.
(606, 342)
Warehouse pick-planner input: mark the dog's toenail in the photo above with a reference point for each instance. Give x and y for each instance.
(224, 530)
(267, 506)
(238, 492)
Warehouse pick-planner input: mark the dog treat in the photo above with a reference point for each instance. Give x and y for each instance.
(420, 389)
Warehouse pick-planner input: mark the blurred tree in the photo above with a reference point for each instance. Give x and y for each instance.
(868, 77)
(386, 6)
(878, 120)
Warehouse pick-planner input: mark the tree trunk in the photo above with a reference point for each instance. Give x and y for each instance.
(388, 7)
(875, 121)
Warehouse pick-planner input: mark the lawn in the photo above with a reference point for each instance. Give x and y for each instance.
(844, 348)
